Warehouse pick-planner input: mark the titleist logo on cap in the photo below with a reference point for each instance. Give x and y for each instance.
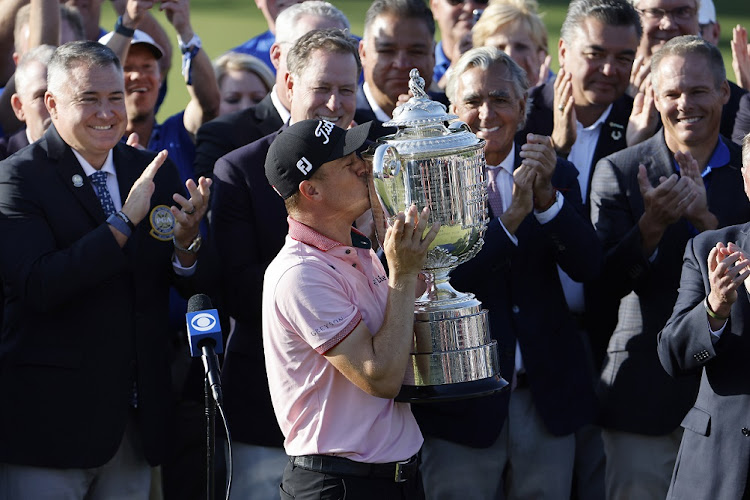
(324, 129)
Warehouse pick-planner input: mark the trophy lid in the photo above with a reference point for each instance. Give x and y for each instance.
(419, 109)
(423, 125)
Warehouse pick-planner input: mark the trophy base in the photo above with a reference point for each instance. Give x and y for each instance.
(451, 392)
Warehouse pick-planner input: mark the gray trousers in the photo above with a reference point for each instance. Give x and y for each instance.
(127, 476)
(525, 462)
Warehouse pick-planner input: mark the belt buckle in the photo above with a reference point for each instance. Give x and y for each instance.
(399, 477)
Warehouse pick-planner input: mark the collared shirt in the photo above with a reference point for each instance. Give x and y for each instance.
(284, 113)
(315, 293)
(584, 147)
(174, 137)
(442, 63)
(379, 113)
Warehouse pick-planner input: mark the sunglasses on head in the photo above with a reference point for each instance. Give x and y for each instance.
(459, 2)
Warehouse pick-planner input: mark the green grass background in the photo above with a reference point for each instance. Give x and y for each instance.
(223, 24)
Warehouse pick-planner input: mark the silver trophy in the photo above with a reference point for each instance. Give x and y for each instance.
(430, 163)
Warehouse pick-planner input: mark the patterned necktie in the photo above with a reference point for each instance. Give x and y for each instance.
(493, 191)
(99, 179)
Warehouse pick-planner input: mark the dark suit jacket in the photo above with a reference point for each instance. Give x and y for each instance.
(249, 225)
(13, 143)
(601, 314)
(714, 457)
(520, 287)
(84, 319)
(540, 120)
(729, 112)
(229, 132)
(636, 394)
(742, 121)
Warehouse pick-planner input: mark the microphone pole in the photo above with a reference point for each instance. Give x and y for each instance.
(204, 336)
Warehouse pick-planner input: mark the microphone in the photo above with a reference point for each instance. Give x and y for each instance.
(204, 336)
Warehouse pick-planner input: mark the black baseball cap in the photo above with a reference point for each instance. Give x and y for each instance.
(302, 148)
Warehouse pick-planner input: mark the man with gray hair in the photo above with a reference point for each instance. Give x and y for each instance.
(28, 100)
(706, 335)
(519, 443)
(87, 290)
(647, 201)
(229, 132)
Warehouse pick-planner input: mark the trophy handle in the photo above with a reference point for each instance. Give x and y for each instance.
(459, 126)
(379, 167)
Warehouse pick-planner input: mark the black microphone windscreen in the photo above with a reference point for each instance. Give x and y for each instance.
(199, 302)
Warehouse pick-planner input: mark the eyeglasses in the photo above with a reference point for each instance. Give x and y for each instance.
(677, 14)
(459, 2)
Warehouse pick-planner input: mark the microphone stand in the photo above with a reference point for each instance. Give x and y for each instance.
(210, 411)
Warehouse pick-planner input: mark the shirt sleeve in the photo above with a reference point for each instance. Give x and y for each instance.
(315, 304)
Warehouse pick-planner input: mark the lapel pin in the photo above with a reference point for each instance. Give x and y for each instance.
(616, 135)
(77, 180)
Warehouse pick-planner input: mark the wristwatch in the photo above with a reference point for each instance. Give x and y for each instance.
(193, 247)
(122, 29)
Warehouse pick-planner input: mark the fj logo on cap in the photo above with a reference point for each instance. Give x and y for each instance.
(324, 129)
(304, 166)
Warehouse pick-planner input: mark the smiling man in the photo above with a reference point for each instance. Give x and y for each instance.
(87, 288)
(143, 77)
(646, 202)
(398, 37)
(519, 443)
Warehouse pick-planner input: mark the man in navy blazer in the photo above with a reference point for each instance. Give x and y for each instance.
(519, 442)
(707, 335)
(92, 244)
(249, 224)
(647, 201)
(227, 133)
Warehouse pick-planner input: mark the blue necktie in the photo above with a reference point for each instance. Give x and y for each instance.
(99, 179)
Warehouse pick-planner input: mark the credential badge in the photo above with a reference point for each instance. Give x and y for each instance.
(162, 223)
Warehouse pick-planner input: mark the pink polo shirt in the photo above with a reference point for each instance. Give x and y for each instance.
(316, 291)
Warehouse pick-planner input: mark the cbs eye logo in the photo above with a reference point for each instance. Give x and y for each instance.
(203, 322)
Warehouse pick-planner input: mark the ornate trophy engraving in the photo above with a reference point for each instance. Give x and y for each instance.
(427, 162)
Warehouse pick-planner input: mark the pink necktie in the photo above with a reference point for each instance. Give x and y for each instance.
(493, 191)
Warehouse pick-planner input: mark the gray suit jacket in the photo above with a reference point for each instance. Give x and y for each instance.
(636, 393)
(715, 451)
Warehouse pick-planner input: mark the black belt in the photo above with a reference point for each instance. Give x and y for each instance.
(327, 464)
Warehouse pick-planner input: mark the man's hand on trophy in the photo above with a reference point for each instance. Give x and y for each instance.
(522, 201)
(539, 154)
(406, 242)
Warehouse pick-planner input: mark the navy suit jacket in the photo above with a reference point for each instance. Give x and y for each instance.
(520, 287)
(636, 394)
(13, 143)
(540, 120)
(249, 225)
(229, 132)
(714, 458)
(84, 318)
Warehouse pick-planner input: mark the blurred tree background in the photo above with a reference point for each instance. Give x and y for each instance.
(224, 24)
